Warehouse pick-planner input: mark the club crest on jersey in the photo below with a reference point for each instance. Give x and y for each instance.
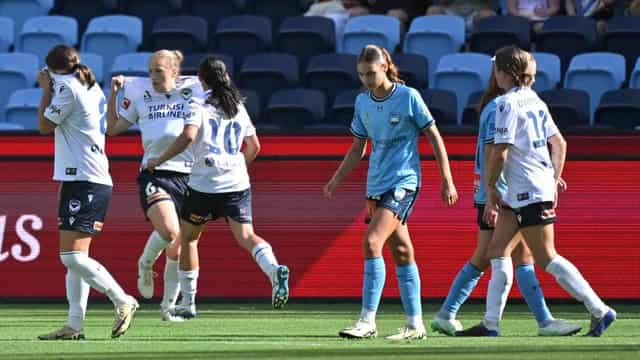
(394, 118)
(74, 206)
(126, 103)
(147, 96)
(186, 93)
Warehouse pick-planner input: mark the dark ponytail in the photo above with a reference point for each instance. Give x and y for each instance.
(223, 92)
(375, 54)
(65, 60)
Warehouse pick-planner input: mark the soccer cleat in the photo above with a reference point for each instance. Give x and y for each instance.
(123, 317)
(168, 315)
(145, 281)
(409, 333)
(360, 330)
(64, 333)
(599, 326)
(446, 327)
(280, 293)
(185, 312)
(478, 330)
(559, 327)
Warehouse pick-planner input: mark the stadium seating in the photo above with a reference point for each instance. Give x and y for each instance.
(380, 30)
(343, 107)
(634, 78)
(83, 11)
(278, 10)
(252, 104)
(17, 71)
(267, 73)
(443, 106)
(242, 35)
(132, 64)
(8, 127)
(595, 73)
(22, 108)
(192, 62)
(494, 32)
(463, 74)
(6, 34)
(413, 69)
(622, 37)
(619, 109)
(470, 116)
(185, 33)
(40, 33)
(569, 108)
(215, 10)
(149, 11)
(21, 10)
(433, 37)
(295, 109)
(548, 71)
(332, 73)
(306, 37)
(94, 62)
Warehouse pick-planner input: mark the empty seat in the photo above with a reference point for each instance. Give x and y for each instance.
(21, 10)
(40, 34)
(293, 109)
(413, 69)
(278, 10)
(619, 109)
(622, 37)
(83, 11)
(215, 10)
(569, 108)
(471, 117)
(332, 73)
(94, 62)
(133, 64)
(242, 35)
(192, 61)
(22, 108)
(185, 33)
(442, 104)
(7, 127)
(6, 34)
(306, 36)
(252, 104)
(548, 71)
(267, 73)
(433, 37)
(17, 71)
(595, 73)
(380, 30)
(149, 11)
(634, 78)
(343, 107)
(463, 74)
(494, 32)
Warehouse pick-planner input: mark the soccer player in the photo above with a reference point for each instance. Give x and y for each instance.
(157, 104)
(393, 116)
(73, 107)
(225, 144)
(524, 128)
(445, 320)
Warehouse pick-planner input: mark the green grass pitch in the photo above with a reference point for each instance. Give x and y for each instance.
(302, 331)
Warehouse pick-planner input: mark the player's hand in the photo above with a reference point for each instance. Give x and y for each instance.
(44, 80)
(117, 83)
(492, 207)
(448, 193)
(562, 185)
(328, 189)
(152, 163)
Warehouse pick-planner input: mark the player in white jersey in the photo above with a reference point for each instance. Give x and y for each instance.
(219, 184)
(157, 104)
(524, 129)
(72, 107)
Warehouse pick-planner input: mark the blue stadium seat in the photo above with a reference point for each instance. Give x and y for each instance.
(150, 11)
(470, 116)
(619, 109)
(343, 107)
(295, 109)
(491, 33)
(110, 36)
(443, 106)
(83, 11)
(243, 35)
(595, 73)
(7, 127)
(463, 74)
(41, 33)
(380, 30)
(622, 37)
(22, 108)
(413, 69)
(185, 33)
(192, 62)
(252, 104)
(332, 73)
(94, 62)
(268, 73)
(215, 10)
(548, 71)
(567, 36)
(6, 34)
(569, 108)
(132, 64)
(433, 37)
(17, 71)
(278, 10)
(306, 36)
(21, 10)
(634, 78)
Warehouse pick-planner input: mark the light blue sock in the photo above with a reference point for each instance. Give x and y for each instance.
(409, 284)
(374, 276)
(462, 286)
(530, 289)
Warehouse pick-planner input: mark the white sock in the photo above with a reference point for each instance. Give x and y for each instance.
(95, 275)
(498, 291)
(189, 286)
(77, 296)
(415, 321)
(263, 255)
(569, 277)
(368, 315)
(152, 249)
(171, 284)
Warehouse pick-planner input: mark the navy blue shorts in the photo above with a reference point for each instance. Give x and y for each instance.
(83, 206)
(540, 213)
(399, 200)
(161, 185)
(483, 225)
(201, 207)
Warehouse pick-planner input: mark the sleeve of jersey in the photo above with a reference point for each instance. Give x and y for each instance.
(193, 115)
(490, 128)
(61, 104)
(420, 112)
(505, 123)
(357, 127)
(127, 108)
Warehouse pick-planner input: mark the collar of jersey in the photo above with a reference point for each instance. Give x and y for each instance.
(393, 91)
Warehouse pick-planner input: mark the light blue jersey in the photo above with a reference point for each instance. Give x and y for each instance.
(486, 134)
(394, 125)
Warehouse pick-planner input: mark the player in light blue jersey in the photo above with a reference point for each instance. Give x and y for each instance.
(393, 116)
(467, 278)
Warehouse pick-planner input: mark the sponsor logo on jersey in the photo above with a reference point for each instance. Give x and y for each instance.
(126, 103)
(147, 96)
(186, 93)
(70, 171)
(523, 196)
(54, 109)
(61, 89)
(380, 108)
(502, 131)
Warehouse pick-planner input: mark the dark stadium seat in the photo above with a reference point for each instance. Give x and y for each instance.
(83, 10)
(215, 10)
(343, 106)
(185, 33)
(413, 69)
(192, 62)
(332, 73)
(242, 35)
(442, 104)
(471, 117)
(306, 36)
(294, 109)
(267, 73)
(252, 104)
(622, 37)
(619, 109)
(278, 10)
(149, 11)
(569, 108)
(491, 33)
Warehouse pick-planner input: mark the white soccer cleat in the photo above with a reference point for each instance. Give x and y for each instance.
(559, 327)
(168, 315)
(64, 333)
(446, 327)
(360, 330)
(185, 312)
(145, 281)
(123, 316)
(408, 333)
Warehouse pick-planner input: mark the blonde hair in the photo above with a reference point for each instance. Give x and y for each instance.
(175, 58)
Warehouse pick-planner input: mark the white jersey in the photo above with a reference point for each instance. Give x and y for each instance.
(220, 166)
(524, 122)
(527, 8)
(79, 114)
(160, 117)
